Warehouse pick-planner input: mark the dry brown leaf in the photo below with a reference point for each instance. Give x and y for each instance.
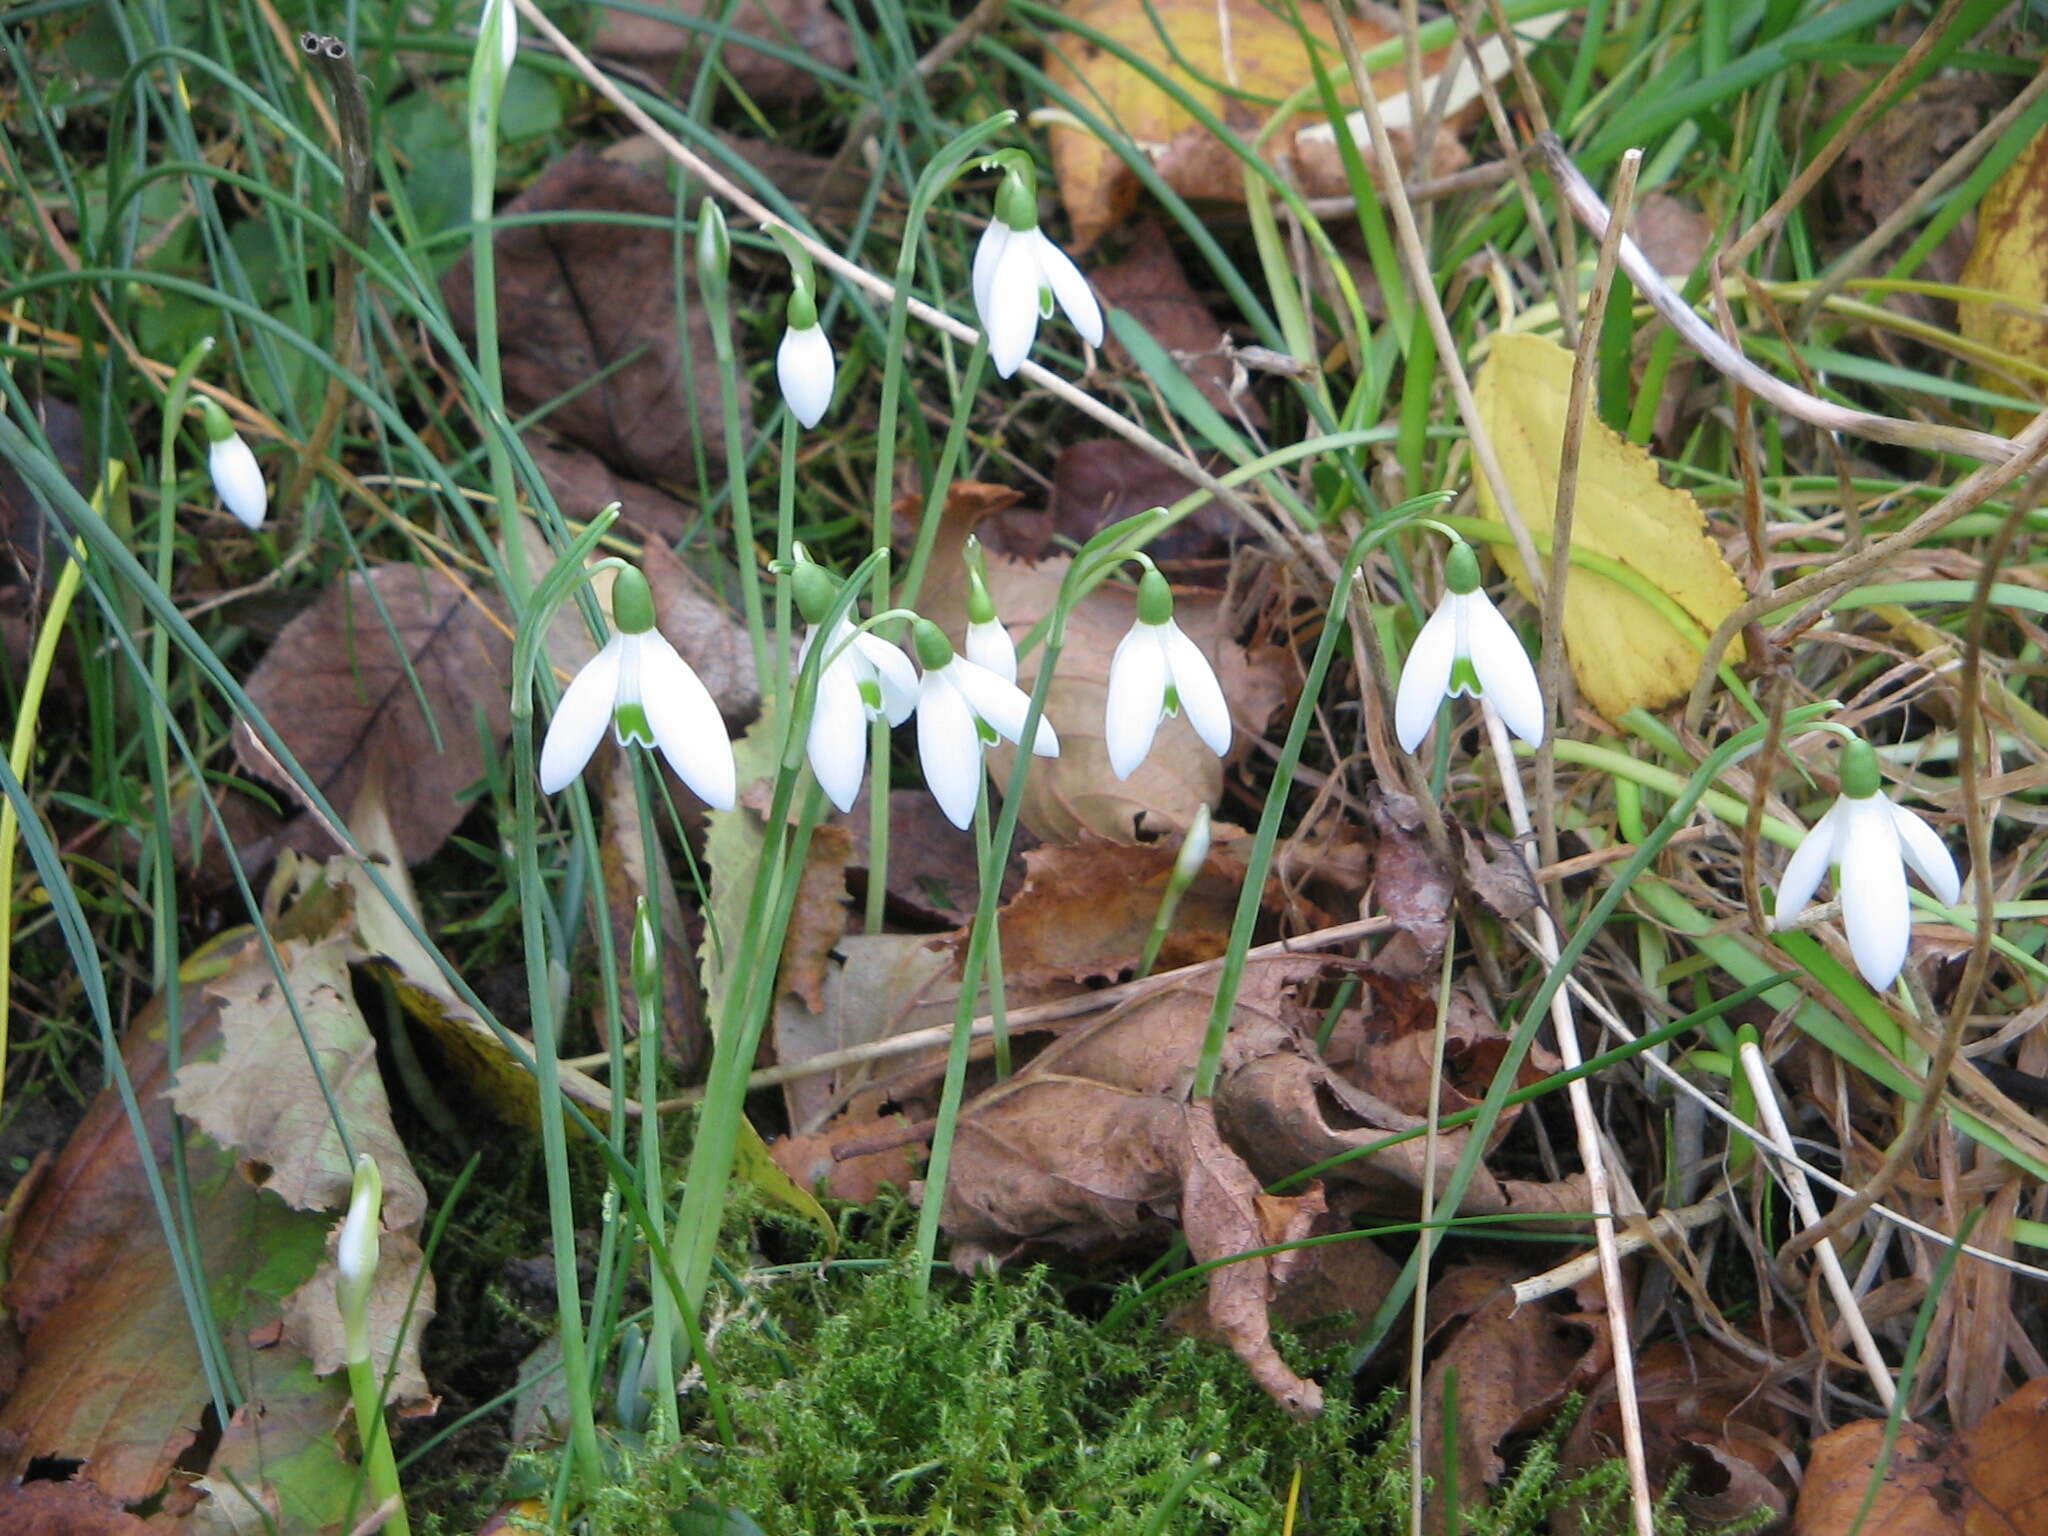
(668, 50)
(593, 298)
(111, 1376)
(934, 877)
(1103, 480)
(1984, 1482)
(813, 1161)
(1149, 283)
(345, 698)
(1086, 911)
(1508, 1359)
(1076, 793)
(2012, 232)
(72, 1508)
(818, 920)
(1409, 885)
(887, 983)
(581, 482)
(1225, 1211)
(1624, 652)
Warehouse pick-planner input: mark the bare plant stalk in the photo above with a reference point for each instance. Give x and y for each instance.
(1591, 1154)
(1425, 1235)
(1794, 1180)
(1585, 369)
(1930, 437)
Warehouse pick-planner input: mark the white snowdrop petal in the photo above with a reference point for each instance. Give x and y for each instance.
(1875, 910)
(1201, 695)
(1506, 674)
(948, 748)
(989, 645)
(1426, 676)
(1809, 862)
(238, 480)
(581, 716)
(1011, 314)
(987, 252)
(893, 672)
(805, 368)
(686, 723)
(1928, 855)
(1138, 673)
(1070, 289)
(837, 743)
(508, 31)
(1003, 705)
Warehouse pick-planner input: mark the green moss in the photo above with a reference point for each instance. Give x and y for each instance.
(997, 1409)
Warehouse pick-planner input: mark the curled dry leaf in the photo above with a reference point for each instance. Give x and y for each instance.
(813, 1160)
(1077, 793)
(596, 335)
(1409, 884)
(1624, 652)
(343, 687)
(2012, 231)
(71, 1508)
(669, 50)
(1987, 1479)
(1093, 1146)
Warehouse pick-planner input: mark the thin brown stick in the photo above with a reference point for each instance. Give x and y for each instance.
(1930, 437)
(1815, 591)
(1579, 405)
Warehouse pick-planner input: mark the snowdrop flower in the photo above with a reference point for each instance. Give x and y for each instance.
(355, 1255)
(803, 363)
(988, 642)
(640, 687)
(237, 477)
(1873, 840)
(1158, 671)
(961, 707)
(863, 678)
(1019, 275)
(1466, 647)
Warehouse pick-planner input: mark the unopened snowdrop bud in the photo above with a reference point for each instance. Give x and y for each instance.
(1019, 276)
(963, 707)
(355, 1256)
(646, 693)
(1158, 671)
(988, 642)
(500, 27)
(1466, 647)
(237, 478)
(804, 366)
(714, 251)
(1194, 849)
(1873, 840)
(646, 950)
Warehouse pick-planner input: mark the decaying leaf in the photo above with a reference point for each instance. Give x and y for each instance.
(812, 1159)
(2012, 231)
(667, 50)
(1103, 480)
(934, 878)
(886, 984)
(1093, 1146)
(1985, 1480)
(1077, 793)
(1624, 653)
(1203, 47)
(343, 687)
(111, 1374)
(817, 922)
(1086, 911)
(581, 482)
(595, 339)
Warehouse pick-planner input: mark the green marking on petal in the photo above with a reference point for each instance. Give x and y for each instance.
(1464, 679)
(871, 694)
(632, 725)
(1171, 703)
(986, 732)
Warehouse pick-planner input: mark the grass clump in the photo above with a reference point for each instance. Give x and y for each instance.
(997, 1409)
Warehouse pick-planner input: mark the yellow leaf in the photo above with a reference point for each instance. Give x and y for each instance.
(1623, 652)
(2012, 232)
